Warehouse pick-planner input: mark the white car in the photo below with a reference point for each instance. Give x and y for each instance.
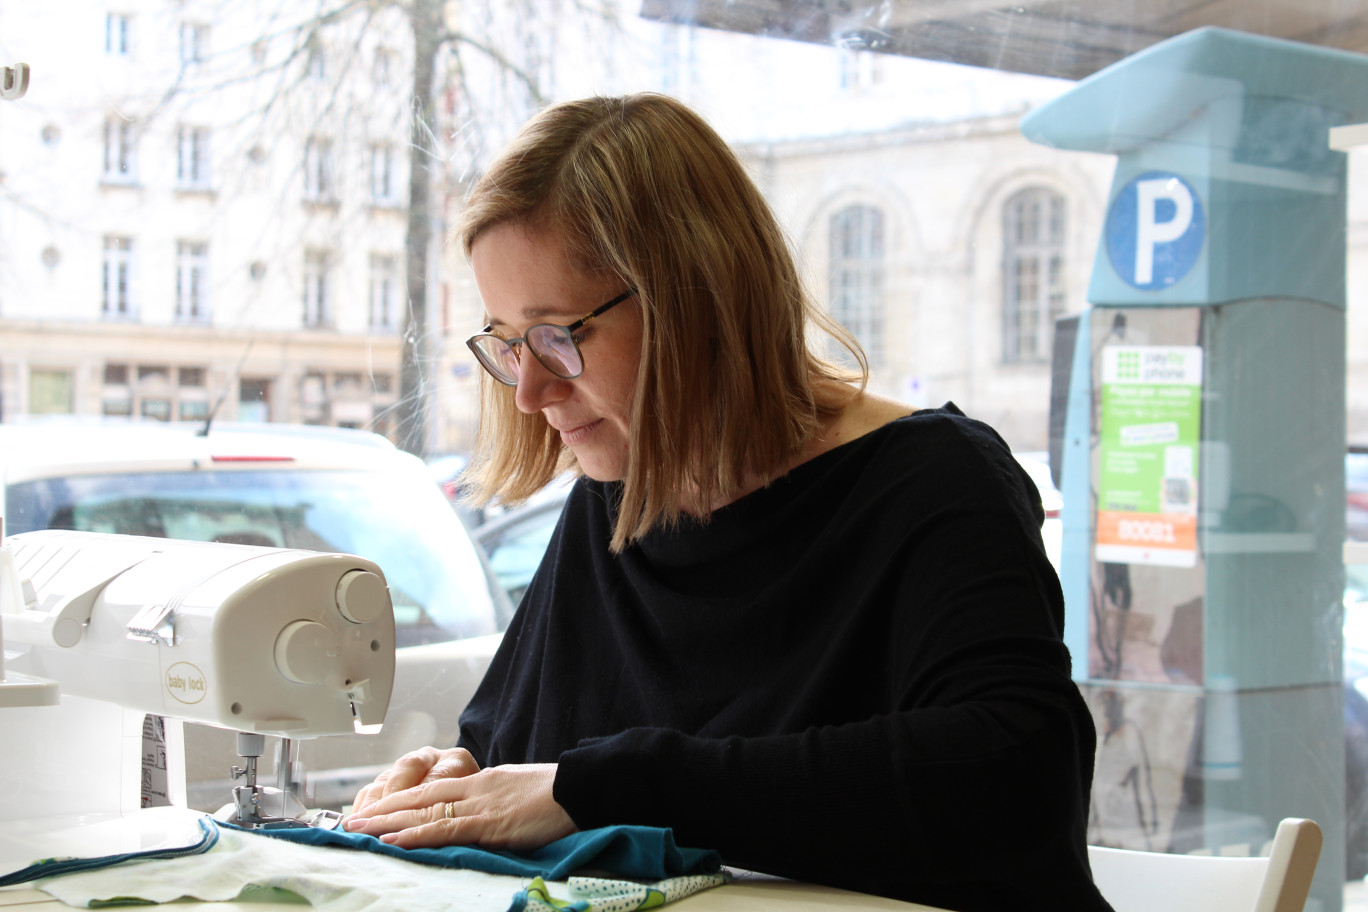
(320, 489)
(1037, 465)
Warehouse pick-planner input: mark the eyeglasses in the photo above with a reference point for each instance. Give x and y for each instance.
(554, 346)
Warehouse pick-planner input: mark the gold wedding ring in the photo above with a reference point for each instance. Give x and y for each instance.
(449, 810)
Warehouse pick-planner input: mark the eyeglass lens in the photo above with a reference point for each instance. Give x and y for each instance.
(552, 345)
(500, 358)
(555, 349)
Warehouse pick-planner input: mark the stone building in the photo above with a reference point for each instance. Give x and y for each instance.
(177, 238)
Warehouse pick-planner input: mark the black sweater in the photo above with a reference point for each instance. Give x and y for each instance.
(854, 676)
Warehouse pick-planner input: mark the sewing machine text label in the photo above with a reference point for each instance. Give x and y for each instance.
(185, 683)
(1155, 230)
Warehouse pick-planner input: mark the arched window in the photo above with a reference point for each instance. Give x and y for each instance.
(1033, 232)
(857, 276)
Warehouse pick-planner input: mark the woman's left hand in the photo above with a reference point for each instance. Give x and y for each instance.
(502, 807)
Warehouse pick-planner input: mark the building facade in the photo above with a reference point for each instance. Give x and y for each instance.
(205, 210)
(187, 239)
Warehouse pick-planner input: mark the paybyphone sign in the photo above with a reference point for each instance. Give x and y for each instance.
(1155, 229)
(1148, 442)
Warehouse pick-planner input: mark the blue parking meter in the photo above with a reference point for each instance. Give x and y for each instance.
(1202, 448)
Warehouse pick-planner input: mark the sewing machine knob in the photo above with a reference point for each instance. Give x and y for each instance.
(360, 596)
(302, 650)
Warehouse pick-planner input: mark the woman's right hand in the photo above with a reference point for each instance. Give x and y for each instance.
(426, 764)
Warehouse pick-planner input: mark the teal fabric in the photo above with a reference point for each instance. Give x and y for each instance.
(635, 852)
(52, 867)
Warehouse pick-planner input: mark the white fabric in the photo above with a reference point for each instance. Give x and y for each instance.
(331, 880)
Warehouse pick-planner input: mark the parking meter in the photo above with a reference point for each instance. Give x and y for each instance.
(1203, 437)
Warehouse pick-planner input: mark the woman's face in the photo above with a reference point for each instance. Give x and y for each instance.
(525, 277)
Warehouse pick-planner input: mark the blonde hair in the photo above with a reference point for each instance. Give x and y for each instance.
(728, 390)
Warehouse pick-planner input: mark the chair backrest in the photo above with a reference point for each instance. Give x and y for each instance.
(1155, 882)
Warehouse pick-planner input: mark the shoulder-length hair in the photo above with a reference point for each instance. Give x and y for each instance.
(729, 390)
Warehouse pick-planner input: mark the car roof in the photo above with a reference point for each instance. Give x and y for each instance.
(40, 449)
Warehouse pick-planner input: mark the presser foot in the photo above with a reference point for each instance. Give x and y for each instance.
(250, 800)
(246, 811)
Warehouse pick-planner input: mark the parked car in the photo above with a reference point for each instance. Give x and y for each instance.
(321, 489)
(1356, 493)
(515, 538)
(1037, 465)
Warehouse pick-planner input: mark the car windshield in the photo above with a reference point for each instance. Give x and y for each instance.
(427, 558)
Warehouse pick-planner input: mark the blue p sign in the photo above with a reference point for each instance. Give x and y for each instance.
(1155, 229)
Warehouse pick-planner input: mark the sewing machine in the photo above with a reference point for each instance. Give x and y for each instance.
(138, 634)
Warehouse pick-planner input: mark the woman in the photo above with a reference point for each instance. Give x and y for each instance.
(785, 618)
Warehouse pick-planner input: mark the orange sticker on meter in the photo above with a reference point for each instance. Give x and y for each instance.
(1147, 531)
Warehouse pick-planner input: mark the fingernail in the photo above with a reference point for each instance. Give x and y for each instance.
(354, 823)
(389, 837)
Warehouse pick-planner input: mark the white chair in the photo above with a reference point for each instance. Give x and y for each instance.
(1154, 882)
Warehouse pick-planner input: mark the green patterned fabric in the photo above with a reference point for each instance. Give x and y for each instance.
(602, 894)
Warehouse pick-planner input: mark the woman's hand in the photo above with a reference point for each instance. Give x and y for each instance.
(503, 807)
(427, 764)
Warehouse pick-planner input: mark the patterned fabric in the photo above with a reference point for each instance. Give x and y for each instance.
(601, 894)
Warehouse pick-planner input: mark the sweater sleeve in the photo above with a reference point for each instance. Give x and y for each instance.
(983, 748)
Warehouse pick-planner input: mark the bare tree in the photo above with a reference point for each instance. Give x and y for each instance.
(277, 89)
(436, 69)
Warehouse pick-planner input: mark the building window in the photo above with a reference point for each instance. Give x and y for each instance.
(194, 42)
(1033, 231)
(254, 397)
(857, 277)
(384, 66)
(384, 293)
(382, 183)
(116, 375)
(117, 28)
(192, 410)
(156, 409)
(318, 170)
(192, 289)
(51, 392)
(860, 70)
(190, 376)
(678, 58)
(317, 66)
(117, 274)
(120, 148)
(192, 157)
(317, 289)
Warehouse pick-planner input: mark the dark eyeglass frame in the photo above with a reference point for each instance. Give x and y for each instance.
(516, 345)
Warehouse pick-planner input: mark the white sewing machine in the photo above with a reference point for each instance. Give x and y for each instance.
(264, 641)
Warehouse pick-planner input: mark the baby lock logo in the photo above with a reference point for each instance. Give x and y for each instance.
(185, 683)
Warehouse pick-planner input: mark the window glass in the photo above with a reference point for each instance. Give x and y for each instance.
(258, 195)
